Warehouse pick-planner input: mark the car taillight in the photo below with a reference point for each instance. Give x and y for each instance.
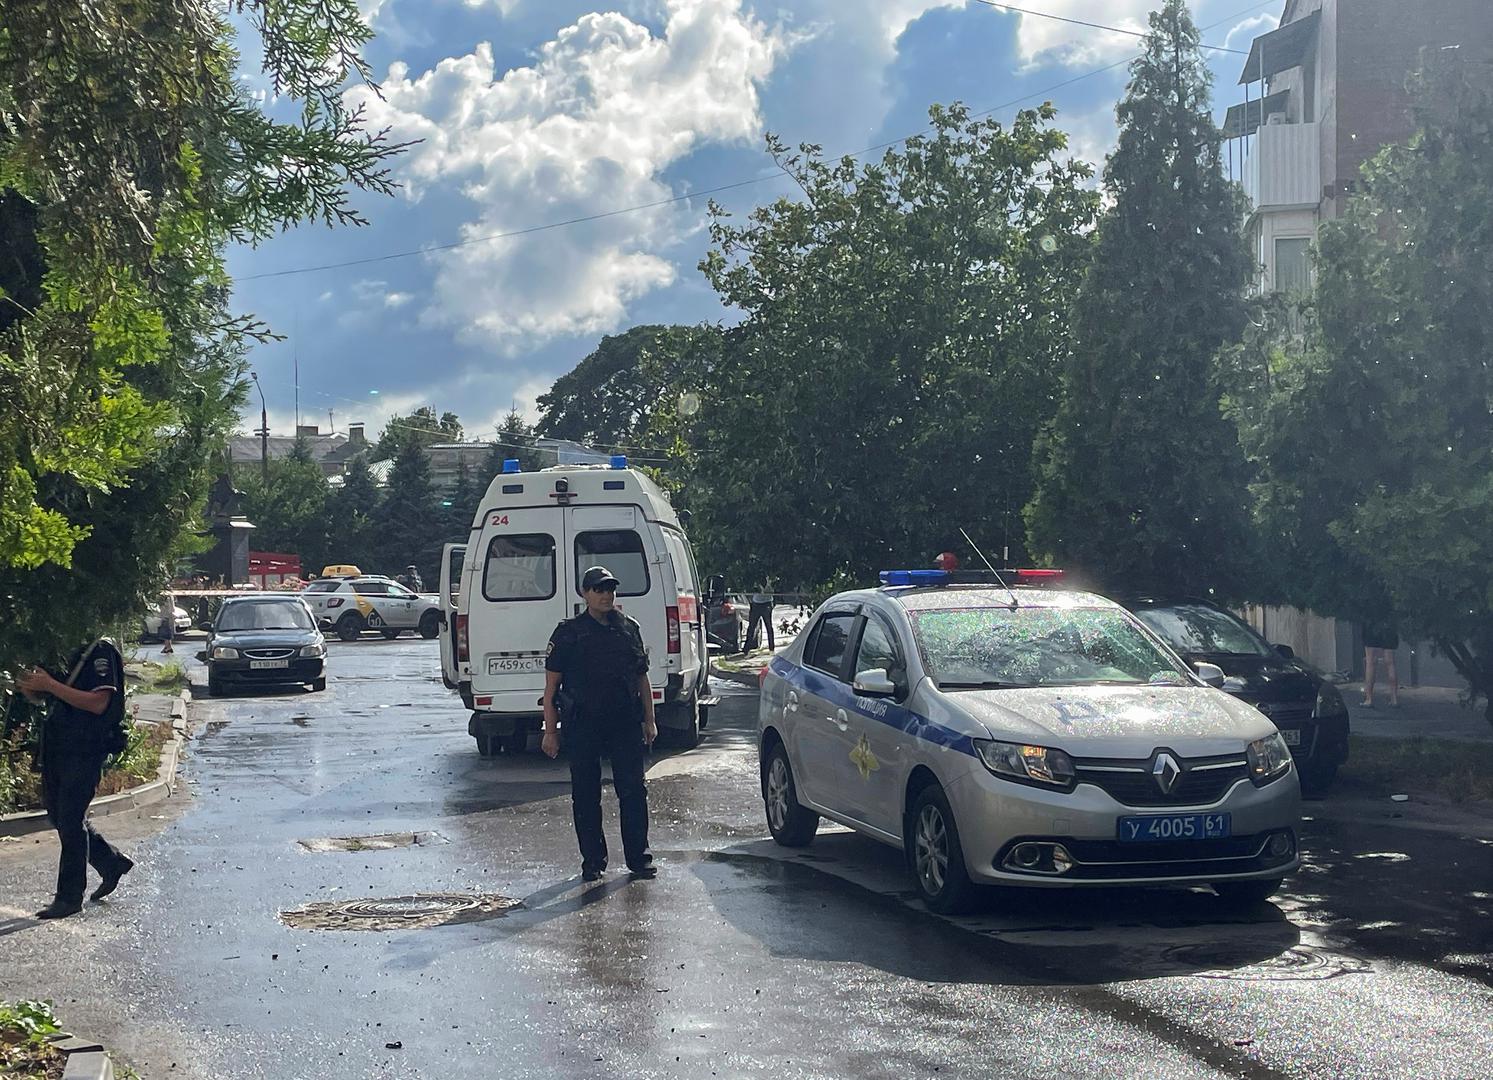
(335, 601)
(761, 675)
(728, 608)
(463, 654)
(671, 614)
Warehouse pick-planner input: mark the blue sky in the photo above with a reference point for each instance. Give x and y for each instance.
(537, 111)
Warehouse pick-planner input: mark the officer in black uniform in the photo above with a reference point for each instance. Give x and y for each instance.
(599, 663)
(78, 734)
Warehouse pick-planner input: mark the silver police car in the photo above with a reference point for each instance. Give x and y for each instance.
(1003, 733)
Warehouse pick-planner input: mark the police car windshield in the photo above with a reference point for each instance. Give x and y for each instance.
(264, 615)
(1197, 628)
(1004, 648)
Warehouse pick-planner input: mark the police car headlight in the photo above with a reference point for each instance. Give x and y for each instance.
(223, 652)
(314, 652)
(1039, 765)
(1269, 759)
(1329, 702)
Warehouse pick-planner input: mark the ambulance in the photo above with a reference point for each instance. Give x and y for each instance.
(519, 575)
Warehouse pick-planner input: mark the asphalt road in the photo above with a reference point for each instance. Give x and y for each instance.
(741, 959)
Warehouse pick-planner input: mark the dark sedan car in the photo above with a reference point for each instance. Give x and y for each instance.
(1308, 709)
(265, 639)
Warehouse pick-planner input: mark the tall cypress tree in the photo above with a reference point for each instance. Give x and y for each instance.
(354, 507)
(1141, 481)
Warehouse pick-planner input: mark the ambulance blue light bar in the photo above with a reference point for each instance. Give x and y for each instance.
(510, 465)
(619, 461)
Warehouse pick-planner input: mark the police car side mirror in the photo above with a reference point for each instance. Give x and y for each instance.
(206, 624)
(1286, 651)
(874, 682)
(1211, 674)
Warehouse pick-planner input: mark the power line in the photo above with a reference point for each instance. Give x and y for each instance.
(1094, 25)
(780, 174)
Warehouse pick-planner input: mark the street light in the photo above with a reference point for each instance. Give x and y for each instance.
(264, 432)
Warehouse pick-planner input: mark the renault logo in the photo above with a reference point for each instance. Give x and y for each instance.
(1166, 772)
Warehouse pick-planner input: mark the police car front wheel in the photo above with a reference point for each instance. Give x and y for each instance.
(790, 824)
(935, 856)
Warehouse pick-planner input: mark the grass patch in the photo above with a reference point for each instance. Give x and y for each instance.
(1460, 772)
(157, 677)
(25, 1053)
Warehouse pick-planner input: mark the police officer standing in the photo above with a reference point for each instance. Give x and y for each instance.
(598, 661)
(81, 730)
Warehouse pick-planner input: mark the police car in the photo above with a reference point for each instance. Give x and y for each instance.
(355, 604)
(1000, 732)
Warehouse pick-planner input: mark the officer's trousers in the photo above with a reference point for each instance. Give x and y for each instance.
(759, 614)
(68, 785)
(587, 741)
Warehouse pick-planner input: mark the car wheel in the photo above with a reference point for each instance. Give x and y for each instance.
(790, 824)
(214, 685)
(1247, 893)
(318, 685)
(687, 737)
(935, 855)
(517, 742)
(487, 745)
(430, 625)
(350, 626)
(390, 633)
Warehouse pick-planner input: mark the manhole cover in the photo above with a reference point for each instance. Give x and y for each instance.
(1301, 963)
(376, 842)
(413, 912)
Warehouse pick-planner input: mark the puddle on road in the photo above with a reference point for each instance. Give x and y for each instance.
(375, 842)
(1300, 963)
(418, 911)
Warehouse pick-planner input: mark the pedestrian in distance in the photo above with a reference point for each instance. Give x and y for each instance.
(1380, 640)
(83, 727)
(412, 579)
(596, 679)
(168, 622)
(759, 613)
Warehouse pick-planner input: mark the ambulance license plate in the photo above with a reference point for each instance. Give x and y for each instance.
(1174, 827)
(514, 665)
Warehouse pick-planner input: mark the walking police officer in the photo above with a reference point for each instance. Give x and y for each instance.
(598, 661)
(82, 729)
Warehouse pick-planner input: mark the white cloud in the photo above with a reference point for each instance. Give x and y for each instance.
(397, 299)
(1243, 34)
(1039, 40)
(589, 127)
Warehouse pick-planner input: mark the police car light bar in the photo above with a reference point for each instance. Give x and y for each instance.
(619, 461)
(926, 578)
(511, 465)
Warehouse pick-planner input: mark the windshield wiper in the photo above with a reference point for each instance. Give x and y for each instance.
(987, 685)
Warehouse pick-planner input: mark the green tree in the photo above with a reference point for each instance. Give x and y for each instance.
(463, 497)
(609, 398)
(902, 322)
(292, 513)
(422, 426)
(1140, 473)
(516, 440)
(351, 509)
(1374, 433)
(129, 157)
(410, 525)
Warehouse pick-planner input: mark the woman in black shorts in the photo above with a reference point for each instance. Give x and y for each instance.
(1380, 639)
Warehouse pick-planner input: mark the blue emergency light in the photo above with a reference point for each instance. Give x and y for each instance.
(914, 577)
(510, 465)
(619, 461)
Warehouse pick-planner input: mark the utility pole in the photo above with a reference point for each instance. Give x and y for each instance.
(264, 432)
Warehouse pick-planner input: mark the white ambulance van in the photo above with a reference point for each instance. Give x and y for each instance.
(519, 574)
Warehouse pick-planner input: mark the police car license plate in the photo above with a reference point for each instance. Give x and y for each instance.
(1174, 827)
(514, 665)
(257, 665)
(1292, 736)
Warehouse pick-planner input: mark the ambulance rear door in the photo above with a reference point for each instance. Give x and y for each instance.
(516, 593)
(620, 539)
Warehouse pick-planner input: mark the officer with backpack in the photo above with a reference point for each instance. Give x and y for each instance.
(85, 725)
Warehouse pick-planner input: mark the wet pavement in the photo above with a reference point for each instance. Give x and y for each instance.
(366, 812)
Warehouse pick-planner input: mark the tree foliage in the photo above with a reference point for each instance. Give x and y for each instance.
(1374, 434)
(129, 156)
(1140, 472)
(422, 426)
(409, 525)
(903, 323)
(292, 513)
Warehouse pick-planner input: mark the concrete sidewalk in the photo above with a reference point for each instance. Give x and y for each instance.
(1432, 711)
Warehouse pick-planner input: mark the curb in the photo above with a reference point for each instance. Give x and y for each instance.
(88, 1065)
(742, 677)
(136, 798)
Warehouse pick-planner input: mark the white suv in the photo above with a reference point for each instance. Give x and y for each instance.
(353, 605)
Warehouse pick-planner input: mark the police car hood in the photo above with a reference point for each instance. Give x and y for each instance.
(1117, 721)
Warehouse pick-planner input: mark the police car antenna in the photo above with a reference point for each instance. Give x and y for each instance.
(998, 579)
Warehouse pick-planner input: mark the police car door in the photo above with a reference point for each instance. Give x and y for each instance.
(617, 537)
(821, 742)
(879, 726)
(517, 596)
(451, 560)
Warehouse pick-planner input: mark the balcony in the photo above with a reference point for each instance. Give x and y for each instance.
(1284, 166)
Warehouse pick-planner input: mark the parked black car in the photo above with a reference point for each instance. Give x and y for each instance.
(1308, 709)
(262, 639)
(725, 616)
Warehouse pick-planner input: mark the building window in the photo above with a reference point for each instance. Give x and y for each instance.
(1293, 268)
